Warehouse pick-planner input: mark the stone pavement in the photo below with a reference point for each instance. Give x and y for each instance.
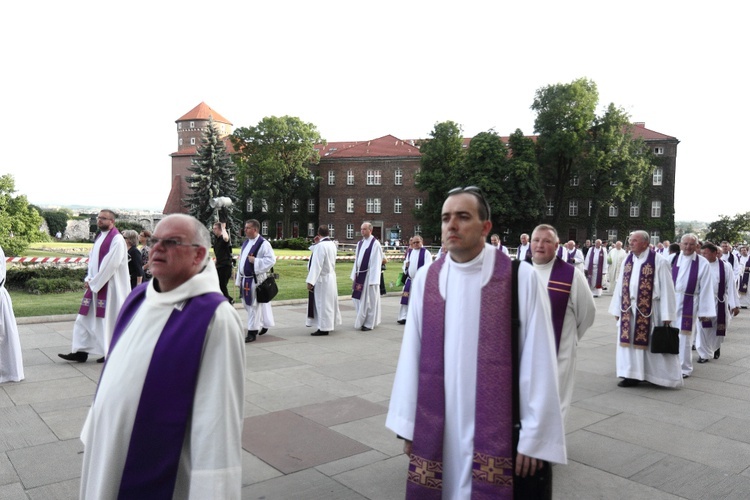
(315, 411)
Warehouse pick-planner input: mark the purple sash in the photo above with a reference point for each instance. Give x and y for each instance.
(166, 402)
(101, 295)
(248, 271)
(359, 280)
(558, 288)
(407, 285)
(686, 324)
(599, 266)
(745, 277)
(643, 301)
(310, 293)
(721, 306)
(492, 474)
(570, 257)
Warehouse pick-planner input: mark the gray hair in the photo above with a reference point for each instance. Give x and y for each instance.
(131, 237)
(689, 235)
(643, 234)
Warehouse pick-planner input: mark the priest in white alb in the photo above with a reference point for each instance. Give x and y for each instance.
(454, 390)
(365, 278)
(256, 261)
(323, 301)
(11, 359)
(417, 257)
(595, 266)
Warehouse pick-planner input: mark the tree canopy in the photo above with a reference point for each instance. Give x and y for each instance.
(274, 160)
(20, 223)
(214, 175)
(731, 229)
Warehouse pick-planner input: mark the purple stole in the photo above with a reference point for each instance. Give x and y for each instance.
(643, 300)
(686, 324)
(571, 256)
(101, 295)
(359, 279)
(248, 271)
(745, 277)
(558, 288)
(599, 266)
(407, 285)
(310, 293)
(527, 258)
(166, 402)
(721, 307)
(492, 474)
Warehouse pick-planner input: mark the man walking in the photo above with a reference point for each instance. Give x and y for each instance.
(365, 278)
(223, 252)
(322, 285)
(595, 264)
(256, 260)
(107, 285)
(417, 257)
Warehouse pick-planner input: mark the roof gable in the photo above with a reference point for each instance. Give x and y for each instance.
(640, 131)
(386, 146)
(202, 112)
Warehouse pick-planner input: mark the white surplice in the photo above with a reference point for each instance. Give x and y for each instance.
(593, 253)
(368, 306)
(579, 316)
(703, 303)
(322, 275)
(258, 315)
(92, 334)
(211, 459)
(542, 435)
(413, 261)
(617, 257)
(706, 340)
(11, 359)
(641, 364)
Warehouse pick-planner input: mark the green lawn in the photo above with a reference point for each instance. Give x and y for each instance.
(292, 274)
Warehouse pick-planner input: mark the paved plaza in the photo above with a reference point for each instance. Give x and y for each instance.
(315, 413)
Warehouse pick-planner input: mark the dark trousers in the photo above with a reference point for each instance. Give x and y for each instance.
(225, 272)
(538, 486)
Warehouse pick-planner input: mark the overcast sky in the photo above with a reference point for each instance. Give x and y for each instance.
(92, 89)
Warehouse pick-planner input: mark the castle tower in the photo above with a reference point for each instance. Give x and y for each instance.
(190, 129)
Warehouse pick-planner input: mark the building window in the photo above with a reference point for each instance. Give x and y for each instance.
(331, 231)
(418, 203)
(281, 208)
(373, 178)
(373, 205)
(656, 209)
(550, 208)
(179, 126)
(331, 205)
(350, 231)
(350, 177)
(192, 124)
(418, 230)
(249, 205)
(574, 180)
(573, 208)
(658, 176)
(655, 237)
(331, 178)
(310, 230)
(350, 205)
(658, 151)
(398, 177)
(180, 142)
(613, 211)
(192, 141)
(264, 228)
(311, 206)
(295, 206)
(635, 210)
(612, 236)
(397, 206)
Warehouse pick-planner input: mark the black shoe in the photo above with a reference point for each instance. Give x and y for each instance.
(628, 382)
(100, 360)
(251, 334)
(318, 333)
(263, 331)
(79, 356)
(717, 354)
(702, 360)
(401, 322)
(693, 347)
(685, 376)
(365, 329)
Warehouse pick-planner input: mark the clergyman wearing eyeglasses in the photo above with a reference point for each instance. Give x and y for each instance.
(107, 286)
(166, 421)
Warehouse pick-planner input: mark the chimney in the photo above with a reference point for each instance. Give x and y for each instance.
(640, 124)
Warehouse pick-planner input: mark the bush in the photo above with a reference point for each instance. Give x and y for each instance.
(41, 286)
(292, 244)
(17, 277)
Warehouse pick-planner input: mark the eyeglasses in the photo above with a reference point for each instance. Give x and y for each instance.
(103, 218)
(476, 192)
(169, 243)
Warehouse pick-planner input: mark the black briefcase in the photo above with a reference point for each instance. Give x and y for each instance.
(665, 340)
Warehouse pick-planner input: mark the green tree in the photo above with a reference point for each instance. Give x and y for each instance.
(214, 175)
(274, 159)
(485, 166)
(523, 184)
(440, 167)
(565, 115)
(57, 220)
(732, 229)
(20, 223)
(613, 165)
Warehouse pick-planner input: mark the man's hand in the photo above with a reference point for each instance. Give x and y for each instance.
(527, 466)
(407, 447)
(310, 287)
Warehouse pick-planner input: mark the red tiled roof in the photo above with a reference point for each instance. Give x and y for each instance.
(201, 112)
(640, 130)
(174, 201)
(385, 146)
